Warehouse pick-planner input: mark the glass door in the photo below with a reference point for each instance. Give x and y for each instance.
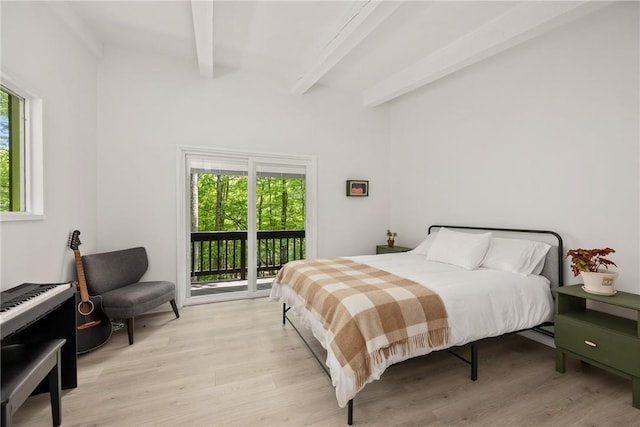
(218, 228)
(244, 216)
(280, 217)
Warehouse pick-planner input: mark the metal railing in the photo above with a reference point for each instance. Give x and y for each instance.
(222, 255)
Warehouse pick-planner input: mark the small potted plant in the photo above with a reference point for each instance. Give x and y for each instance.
(592, 265)
(391, 238)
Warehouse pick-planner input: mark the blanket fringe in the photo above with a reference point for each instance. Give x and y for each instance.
(405, 347)
(438, 337)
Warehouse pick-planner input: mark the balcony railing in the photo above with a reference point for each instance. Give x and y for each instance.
(222, 255)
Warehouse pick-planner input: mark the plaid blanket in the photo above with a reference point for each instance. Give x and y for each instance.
(369, 314)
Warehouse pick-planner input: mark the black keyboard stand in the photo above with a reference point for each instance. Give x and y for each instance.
(53, 319)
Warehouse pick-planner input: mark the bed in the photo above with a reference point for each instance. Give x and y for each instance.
(459, 286)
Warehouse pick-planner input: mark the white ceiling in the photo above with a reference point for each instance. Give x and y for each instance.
(381, 49)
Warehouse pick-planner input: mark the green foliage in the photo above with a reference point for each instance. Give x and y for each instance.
(589, 260)
(280, 203)
(222, 206)
(4, 103)
(222, 203)
(5, 199)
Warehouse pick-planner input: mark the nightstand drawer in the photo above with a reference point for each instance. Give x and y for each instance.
(607, 346)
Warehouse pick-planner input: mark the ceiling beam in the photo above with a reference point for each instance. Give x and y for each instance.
(517, 25)
(202, 13)
(360, 21)
(74, 22)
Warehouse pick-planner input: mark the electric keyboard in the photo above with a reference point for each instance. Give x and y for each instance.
(38, 312)
(32, 298)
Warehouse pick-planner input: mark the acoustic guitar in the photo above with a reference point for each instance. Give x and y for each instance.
(93, 326)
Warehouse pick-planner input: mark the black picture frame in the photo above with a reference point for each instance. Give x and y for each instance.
(357, 188)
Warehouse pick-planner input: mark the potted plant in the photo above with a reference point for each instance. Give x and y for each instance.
(391, 238)
(592, 265)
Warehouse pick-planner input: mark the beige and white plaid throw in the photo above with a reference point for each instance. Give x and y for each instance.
(369, 314)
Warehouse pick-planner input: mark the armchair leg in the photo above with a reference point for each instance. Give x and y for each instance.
(175, 308)
(130, 330)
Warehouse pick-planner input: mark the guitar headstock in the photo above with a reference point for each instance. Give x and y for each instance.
(74, 240)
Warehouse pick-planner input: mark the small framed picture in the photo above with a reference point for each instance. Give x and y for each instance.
(357, 188)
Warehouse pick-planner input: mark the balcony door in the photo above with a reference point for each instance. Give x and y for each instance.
(243, 216)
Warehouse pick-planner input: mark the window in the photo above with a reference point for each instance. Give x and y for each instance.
(21, 180)
(242, 216)
(11, 138)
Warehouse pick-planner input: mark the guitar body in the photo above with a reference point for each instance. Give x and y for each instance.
(99, 330)
(93, 326)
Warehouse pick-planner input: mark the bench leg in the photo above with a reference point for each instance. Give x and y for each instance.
(54, 392)
(130, 330)
(5, 416)
(175, 308)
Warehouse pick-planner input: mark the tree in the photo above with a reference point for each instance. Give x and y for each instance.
(284, 210)
(219, 212)
(5, 200)
(222, 203)
(5, 183)
(194, 201)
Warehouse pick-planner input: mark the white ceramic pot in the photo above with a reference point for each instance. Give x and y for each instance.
(601, 283)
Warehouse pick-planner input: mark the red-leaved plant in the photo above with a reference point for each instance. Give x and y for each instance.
(589, 259)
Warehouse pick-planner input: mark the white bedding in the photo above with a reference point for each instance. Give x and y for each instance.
(480, 303)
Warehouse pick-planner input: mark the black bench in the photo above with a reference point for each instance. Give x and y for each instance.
(24, 367)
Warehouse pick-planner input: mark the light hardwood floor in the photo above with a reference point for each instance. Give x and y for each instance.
(235, 364)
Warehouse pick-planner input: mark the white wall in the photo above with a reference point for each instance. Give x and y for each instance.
(40, 53)
(543, 136)
(512, 141)
(148, 105)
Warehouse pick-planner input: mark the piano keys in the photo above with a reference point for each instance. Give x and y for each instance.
(34, 312)
(23, 298)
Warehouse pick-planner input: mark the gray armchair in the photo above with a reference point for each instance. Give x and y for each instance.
(115, 276)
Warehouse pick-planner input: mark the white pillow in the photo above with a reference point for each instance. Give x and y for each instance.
(516, 255)
(423, 247)
(538, 268)
(466, 250)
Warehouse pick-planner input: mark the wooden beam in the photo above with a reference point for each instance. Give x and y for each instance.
(202, 13)
(517, 25)
(360, 21)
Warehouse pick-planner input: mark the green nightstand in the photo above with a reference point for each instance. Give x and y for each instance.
(600, 339)
(385, 249)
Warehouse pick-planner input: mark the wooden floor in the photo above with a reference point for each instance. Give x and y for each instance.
(235, 364)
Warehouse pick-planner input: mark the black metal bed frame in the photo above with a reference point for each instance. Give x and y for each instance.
(560, 249)
(473, 361)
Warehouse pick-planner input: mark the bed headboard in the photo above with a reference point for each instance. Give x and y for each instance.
(553, 265)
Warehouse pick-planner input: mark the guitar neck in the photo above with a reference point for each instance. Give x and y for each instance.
(82, 282)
